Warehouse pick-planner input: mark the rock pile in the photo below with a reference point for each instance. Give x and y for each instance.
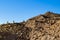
(41, 27)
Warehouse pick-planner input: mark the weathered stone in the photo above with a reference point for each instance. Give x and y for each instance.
(41, 27)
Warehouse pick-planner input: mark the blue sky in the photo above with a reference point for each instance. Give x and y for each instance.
(19, 10)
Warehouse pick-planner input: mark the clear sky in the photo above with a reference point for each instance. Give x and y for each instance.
(19, 10)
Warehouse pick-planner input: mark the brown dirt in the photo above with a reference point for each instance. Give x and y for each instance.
(41, 27)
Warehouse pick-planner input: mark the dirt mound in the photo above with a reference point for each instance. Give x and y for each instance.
(41, 27)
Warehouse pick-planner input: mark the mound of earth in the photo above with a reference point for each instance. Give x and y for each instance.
(41, 27)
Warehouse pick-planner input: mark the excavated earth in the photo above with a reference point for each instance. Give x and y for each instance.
(41, 27)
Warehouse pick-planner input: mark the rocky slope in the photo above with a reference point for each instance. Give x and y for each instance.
(41, 27)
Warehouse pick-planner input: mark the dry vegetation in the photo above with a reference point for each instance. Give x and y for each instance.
(42, 27)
